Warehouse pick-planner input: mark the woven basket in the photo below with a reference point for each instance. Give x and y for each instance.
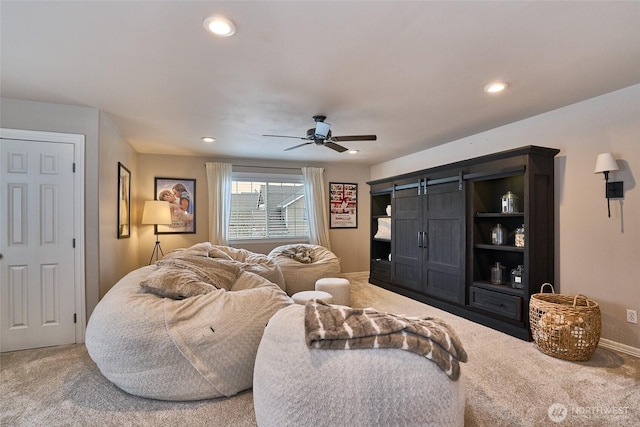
(564, 326)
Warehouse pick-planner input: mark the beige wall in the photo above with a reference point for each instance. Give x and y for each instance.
(350, 245)
(169, 166)
(595, 255)
(117, 256)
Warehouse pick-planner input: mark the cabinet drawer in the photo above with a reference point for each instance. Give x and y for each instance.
(505, 305)
(381, 270)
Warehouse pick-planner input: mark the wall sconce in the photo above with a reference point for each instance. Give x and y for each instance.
(605, 163)
(156, 212)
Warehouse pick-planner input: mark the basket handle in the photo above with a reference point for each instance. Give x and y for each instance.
(553, 291)
(575, 299)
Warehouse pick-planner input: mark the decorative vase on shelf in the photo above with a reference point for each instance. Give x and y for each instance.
(517, 276)
(497, 274)
(509, 203)
(520, 237)
(498, 235)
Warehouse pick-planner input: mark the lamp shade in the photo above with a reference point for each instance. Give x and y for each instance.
(606, 163)
(156, 212)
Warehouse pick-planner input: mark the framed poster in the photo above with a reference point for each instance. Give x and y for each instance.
(181, 195)
(124, 202)
(343, 205)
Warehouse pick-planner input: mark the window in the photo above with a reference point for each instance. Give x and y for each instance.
(267, 207)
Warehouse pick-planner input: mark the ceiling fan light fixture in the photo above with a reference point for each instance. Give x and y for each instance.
(496, 87)
(220, 26)
(322, 129)
(354, 151)
(208, 139)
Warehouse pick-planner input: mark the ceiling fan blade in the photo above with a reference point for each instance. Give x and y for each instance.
(334, 146)
(298, 146)
(286, 136)
(354, 138)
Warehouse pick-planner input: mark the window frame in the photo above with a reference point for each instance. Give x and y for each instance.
(268, 177)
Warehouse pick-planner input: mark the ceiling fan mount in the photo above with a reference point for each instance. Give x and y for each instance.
(321, 135)
(312, 135)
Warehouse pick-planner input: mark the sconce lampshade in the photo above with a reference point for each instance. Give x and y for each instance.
(605, 163)
(156, 212)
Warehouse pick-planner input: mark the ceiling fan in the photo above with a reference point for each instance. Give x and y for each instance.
(321, 135)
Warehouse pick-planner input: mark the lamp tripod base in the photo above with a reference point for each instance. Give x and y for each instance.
(157, 250)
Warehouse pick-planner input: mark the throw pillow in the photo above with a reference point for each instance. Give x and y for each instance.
(299, 253)
(175, 283)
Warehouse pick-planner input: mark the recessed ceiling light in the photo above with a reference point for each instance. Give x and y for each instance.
(219, 25)
(353, 151)
(495, 87)
(208, 139)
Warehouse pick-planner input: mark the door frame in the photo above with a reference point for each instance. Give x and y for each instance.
(78, 142)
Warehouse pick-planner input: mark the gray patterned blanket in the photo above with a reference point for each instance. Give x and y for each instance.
(338, 327)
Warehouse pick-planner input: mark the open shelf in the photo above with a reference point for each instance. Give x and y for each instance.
(499, 215)
(507, 289)
(380, 249)
(506, 248)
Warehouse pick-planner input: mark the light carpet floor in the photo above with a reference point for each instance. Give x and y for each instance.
(508, 383)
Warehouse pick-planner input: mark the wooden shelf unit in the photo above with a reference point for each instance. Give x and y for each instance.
(441, 250)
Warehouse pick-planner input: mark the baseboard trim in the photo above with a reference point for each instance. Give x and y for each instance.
(622, 348)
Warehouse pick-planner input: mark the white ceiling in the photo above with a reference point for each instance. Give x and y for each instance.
(411, 72)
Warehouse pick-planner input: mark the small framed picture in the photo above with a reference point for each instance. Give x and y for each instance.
(124, 202)
(343, 205)
(181, 195)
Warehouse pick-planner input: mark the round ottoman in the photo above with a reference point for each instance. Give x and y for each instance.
(304, 296)
(294, 385)
(337, 287)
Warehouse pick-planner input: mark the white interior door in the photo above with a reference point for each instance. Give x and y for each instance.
(38, 295)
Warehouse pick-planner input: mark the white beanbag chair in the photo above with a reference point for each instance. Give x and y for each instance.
(253, 262)
(294, 385)
(303, 264)
(200, 347)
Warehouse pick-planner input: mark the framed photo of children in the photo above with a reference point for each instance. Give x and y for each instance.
(124, 202)
(181, 195)
(343, 205)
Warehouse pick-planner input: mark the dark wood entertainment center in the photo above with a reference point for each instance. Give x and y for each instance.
(440, 250)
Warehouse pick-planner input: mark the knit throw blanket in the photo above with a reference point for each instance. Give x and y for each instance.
(338, 327)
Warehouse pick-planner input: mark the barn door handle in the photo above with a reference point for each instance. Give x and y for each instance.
(422, 239)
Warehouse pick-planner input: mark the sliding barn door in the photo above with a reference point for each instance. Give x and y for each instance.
(444, 263)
